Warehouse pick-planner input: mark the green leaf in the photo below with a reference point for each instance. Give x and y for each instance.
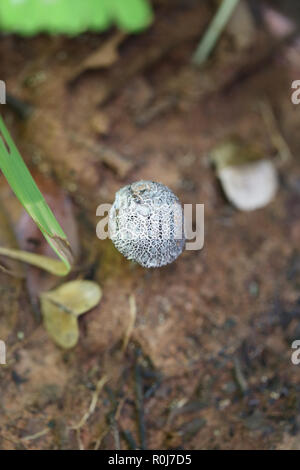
(72, 17)
(131, 15)
(214, 31)
(24, 187)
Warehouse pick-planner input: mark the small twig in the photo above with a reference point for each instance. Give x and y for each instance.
(140, 405)
(11, 273)
(92, 407)
(214, 31)
(239, 377)
(100, 438)
(132, 317)
(116, 435)
(93, 403)
(155, 110)
(37, 435)
(113, 426)
(128, 437)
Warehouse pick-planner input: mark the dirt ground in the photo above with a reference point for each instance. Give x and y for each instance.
(208, 362)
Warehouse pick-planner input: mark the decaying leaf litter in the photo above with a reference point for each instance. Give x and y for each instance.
(196, 354)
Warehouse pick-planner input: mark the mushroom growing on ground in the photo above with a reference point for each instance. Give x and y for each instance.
(146, 224)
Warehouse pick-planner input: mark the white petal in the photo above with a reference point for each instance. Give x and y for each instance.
(250, 186)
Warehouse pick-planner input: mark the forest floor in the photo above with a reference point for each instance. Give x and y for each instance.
(208, 361)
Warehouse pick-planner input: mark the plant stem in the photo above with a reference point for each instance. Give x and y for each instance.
(214, 31)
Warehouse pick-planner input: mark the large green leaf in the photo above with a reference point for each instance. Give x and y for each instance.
(28, 17)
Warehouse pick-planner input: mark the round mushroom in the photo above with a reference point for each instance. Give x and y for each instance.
(146, 224)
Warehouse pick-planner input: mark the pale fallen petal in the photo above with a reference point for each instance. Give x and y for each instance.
(249, 186)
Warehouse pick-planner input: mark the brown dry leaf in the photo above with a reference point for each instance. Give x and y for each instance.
(105, 56)
(7, 238)
(62, 306)
(10, 286)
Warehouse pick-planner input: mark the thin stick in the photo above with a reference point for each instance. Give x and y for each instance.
(37, 435)
(93, 403)
(140, 404)
(132, 318)
(114, 427)
(127, 436)
(214, 31)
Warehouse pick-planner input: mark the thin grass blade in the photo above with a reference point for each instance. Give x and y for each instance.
(26, 190)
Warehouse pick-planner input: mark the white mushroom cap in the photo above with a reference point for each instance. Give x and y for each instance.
(146, 224)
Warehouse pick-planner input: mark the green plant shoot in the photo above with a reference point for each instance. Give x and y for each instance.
(26, 190)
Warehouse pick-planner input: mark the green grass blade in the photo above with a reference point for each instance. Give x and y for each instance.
(214, 31)
(24, 187)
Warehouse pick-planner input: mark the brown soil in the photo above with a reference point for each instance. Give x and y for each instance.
(208, 364)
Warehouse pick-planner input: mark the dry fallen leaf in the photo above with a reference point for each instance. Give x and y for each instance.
(7, 238)
(62, 306)
(105, 56)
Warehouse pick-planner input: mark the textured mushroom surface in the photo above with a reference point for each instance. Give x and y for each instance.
(146, 224)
